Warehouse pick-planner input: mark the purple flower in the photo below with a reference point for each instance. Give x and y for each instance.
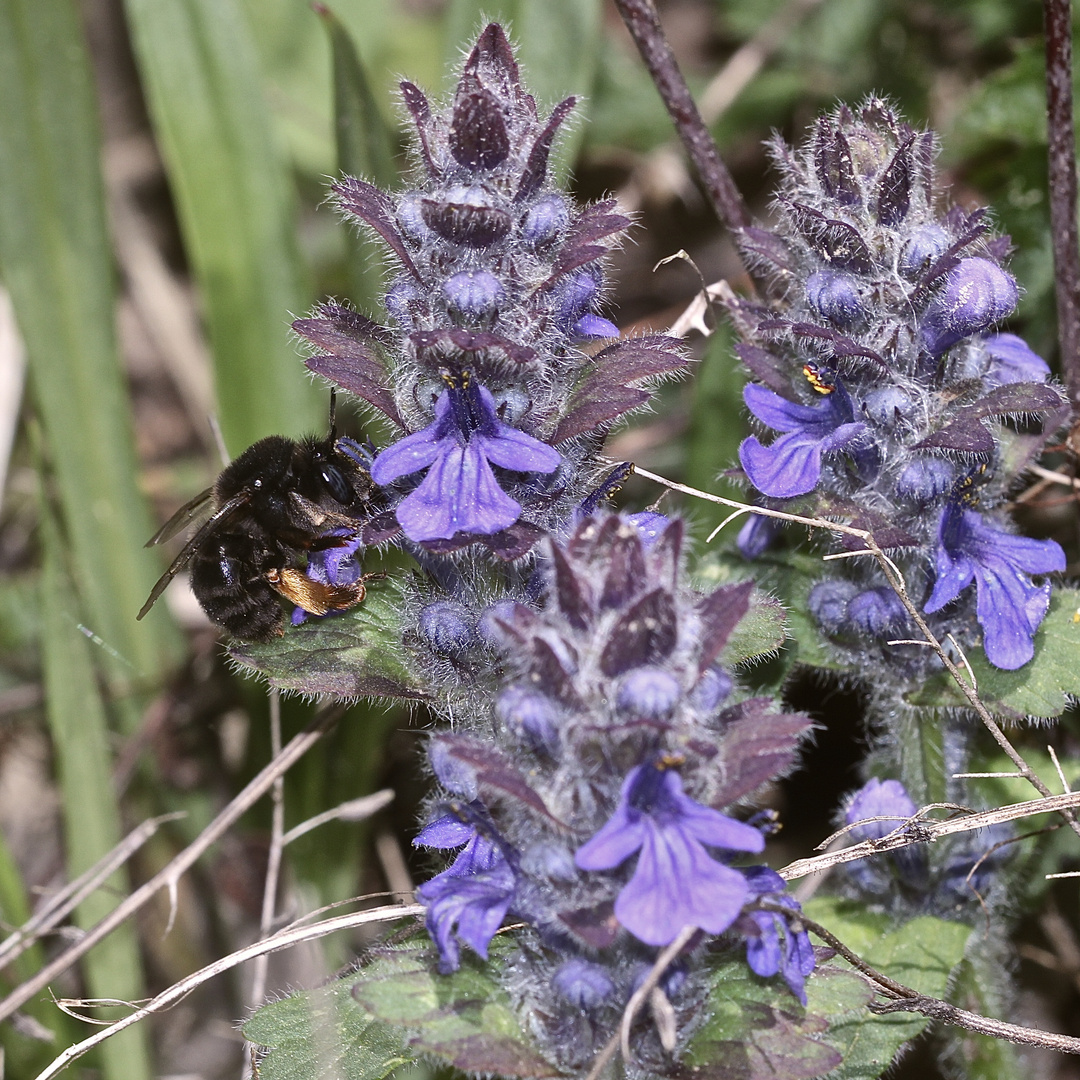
(460, 494)
(792, 464)
(468, 901)
(764, 929)
(1011, 361)
(675, 883)
(338, 565)
(977, 293)
(1009, 606)
(835, 296)
(879, 799)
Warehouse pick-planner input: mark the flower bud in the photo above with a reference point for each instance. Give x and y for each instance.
(757, 536)
(594, 326)
(551, 860)
(976, 294)
(582, 985)
(649, 692)
(544, 220)
(487, 626)
(447, 627)
(530, 717)
(474, 294)
(711, 690)
(649, 525)
(828, 603)
(1011, 361)
(457, 777)
(924, 480)
(887, 405)
(926, 244)
(399, 300)
(877, 612)
(410, 218)
(834, 295)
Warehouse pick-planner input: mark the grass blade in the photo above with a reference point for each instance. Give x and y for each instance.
(77, 721)
(235, 200)
(54, 255)
(365, 147)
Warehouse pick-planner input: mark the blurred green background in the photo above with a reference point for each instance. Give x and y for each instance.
(163, 169)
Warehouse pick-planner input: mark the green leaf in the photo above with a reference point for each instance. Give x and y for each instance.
(921, 954)
(717, 425)
(557, 44)
(235, 202)
(920, 744)
(80, 739)
(465, 1018)
(55, 260)
(756, 1029)
(365, 147)
(354, 654)
(761, 631)
(323, 1034)
(1040, 688)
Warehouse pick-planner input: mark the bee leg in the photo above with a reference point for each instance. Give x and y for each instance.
(314, 596)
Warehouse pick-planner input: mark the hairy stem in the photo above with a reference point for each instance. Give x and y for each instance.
(1057, 16)
(644, 26)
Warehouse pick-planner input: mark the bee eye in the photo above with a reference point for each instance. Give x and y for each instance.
(337, 484)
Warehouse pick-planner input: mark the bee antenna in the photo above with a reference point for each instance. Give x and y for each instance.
(333, 414)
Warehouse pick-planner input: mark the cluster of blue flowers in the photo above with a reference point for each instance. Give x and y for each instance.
(879, 366)
(598, 749)
(592, 800)
(496, 286)
(598, 754)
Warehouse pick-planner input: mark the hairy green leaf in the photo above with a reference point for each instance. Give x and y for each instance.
(921, 954)
(324, 1035)
(466, 1019)
(756, 1029)
(1040, 688)
(354, 654)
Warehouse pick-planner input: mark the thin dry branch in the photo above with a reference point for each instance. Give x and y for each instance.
(168, 875)
(918, 830)
(896, 583)
(57, 908)
(178, 991)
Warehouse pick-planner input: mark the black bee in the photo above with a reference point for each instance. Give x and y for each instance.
(278, 500)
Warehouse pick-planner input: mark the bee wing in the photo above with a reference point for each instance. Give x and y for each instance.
(225, 511)
(318, 517)
(183, 517)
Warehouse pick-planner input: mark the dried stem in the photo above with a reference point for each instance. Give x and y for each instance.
(644, 26)
(178, 991)
(919, 830)
(168, 875)
(896, 582)
(1057, 16)
(75, 892)
(273, 863)
(906, 999)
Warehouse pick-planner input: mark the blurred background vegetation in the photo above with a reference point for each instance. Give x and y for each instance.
(163, 170)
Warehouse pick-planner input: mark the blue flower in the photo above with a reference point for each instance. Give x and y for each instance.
(1009, 605)
(1012, 361)
(460, 494)
(889, 801)
(764, 929)
(675, 883)
(792, 464)
(470, 897)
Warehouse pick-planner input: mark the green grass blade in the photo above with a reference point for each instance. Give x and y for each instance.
(55, 260)
(716, 428)
(365, 147)
(235, 200)
(77, 722)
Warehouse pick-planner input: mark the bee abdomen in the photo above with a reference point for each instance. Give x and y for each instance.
(230, 584)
